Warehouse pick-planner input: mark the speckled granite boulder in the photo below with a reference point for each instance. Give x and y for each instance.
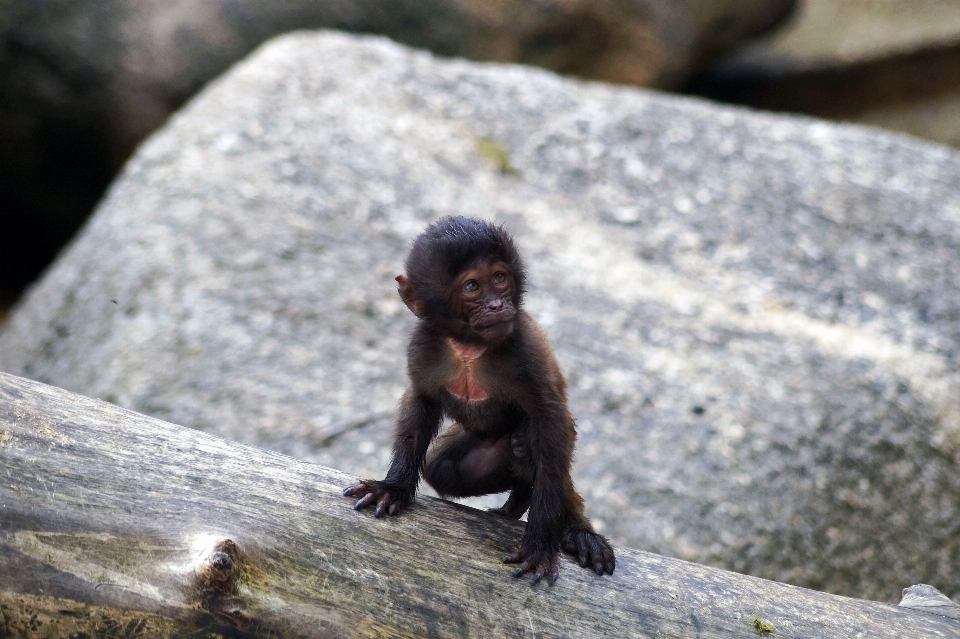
(82, 82)
(759, 316)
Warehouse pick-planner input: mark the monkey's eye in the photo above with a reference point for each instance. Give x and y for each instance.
(471, 286)
(499, 277)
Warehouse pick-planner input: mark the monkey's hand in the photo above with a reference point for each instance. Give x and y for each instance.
(389, 498)
(589, 547)
(543, 562)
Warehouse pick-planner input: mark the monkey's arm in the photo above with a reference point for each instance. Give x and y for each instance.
(550, 439)
(417, 425)
(556, 510)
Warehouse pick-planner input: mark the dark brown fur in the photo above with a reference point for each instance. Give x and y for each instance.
(479, 358)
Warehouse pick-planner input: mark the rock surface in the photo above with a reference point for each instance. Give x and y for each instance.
(81, 83)
(758, 316)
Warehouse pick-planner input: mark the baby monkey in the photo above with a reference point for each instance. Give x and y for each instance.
(479, 358)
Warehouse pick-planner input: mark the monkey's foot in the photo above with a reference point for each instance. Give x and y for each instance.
(543, 563)
(519, 443)
(590, 548)
(513, 508)
(503, 511)
(390, 500)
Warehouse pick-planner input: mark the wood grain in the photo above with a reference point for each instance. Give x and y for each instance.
(115, 524)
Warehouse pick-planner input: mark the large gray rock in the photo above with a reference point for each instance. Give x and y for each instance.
(82, 82)
(759, 316)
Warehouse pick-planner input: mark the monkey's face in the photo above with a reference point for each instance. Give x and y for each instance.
(484, 299)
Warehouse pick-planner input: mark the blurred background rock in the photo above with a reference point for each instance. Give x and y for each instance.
(83, 81)
(886, 63)
(758, 315)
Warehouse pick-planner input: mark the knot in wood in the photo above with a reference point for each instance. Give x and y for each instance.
(217, 568)
(220, 563)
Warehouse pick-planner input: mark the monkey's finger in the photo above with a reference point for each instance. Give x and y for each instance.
(368, 499)
(583, 553)
(610, 560)
(543, 568)
(514, 558)
(547, 566)
(394, 509)
(609, 564)
(597, 553)
(382, 506)
(353, 491)
(525, 567)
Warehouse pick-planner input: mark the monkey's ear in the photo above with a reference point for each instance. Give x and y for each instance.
(410, 297)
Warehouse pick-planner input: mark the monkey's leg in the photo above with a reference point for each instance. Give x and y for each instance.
(460, 464)
(519, 500)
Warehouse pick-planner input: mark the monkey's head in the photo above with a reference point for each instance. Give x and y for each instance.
(465, 277)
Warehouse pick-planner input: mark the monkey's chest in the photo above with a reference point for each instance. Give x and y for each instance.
(465, 384)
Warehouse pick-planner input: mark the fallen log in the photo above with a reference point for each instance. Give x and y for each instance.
(114, 524)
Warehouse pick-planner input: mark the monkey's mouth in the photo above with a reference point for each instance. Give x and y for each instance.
(495, 321)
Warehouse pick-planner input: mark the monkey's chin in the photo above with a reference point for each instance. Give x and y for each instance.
(496, 332)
